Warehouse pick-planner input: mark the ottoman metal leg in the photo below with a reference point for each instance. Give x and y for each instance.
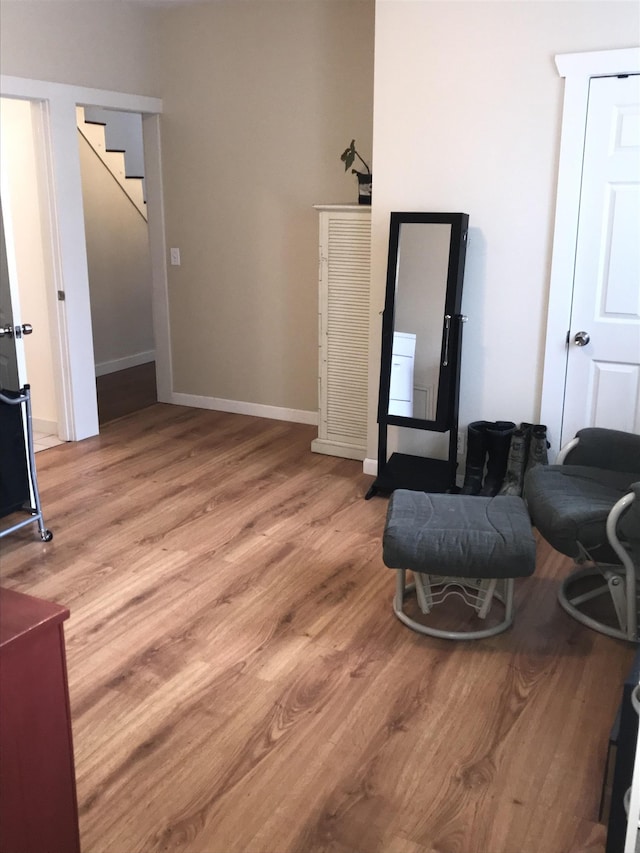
(431, 590)
(457, 545)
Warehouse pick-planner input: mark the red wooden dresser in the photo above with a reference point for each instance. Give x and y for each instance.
(38, 805)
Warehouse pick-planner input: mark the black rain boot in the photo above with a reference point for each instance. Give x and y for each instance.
(526, 428)
(476, 453)
(538, 447)
(516, 461)
(498, 442)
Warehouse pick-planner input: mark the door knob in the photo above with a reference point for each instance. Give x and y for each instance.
(581, 339)
(18, 331)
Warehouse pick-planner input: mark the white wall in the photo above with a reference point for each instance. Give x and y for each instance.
(467, 109)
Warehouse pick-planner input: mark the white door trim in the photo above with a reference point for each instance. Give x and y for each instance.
(158, 253)
(71, 327)
(577, 69)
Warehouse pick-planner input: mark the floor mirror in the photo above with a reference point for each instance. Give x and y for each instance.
(421, 347)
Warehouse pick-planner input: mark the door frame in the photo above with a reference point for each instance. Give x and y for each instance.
(65, 246)
(577, 69)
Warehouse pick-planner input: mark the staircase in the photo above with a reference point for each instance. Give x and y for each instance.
(116, 138)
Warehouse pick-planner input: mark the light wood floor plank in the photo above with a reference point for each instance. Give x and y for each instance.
(239, 683)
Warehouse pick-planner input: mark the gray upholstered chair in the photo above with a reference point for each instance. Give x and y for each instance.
(587, 506)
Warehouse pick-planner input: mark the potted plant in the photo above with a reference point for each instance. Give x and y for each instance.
(365, 179)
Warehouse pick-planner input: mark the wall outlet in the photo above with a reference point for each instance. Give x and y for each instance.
(175, 257)
(461, 437)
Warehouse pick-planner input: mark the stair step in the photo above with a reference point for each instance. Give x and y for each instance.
(114, 160)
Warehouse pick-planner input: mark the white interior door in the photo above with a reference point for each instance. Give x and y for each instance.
(603, 359)
(13, 368)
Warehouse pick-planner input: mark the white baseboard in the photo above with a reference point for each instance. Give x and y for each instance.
(335, 448)
(237, 407)
(44, 426)
(125, 362)
(370, 466)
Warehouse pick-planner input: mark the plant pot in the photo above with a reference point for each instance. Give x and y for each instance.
(365, 183)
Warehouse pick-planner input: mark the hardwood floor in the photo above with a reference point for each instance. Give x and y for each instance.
(239, 683)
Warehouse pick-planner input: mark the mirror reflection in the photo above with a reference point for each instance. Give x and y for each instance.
(417, 349)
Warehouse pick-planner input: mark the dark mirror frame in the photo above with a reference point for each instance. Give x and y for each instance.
(447, 388)
(410, 471)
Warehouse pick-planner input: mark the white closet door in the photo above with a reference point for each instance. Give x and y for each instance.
(603, 374)
(345, 271)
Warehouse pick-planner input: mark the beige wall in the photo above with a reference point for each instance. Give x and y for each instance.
(105, 44)
(260, 99)
(467, 118)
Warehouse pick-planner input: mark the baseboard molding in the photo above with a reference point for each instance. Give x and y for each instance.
(124, 363)
(237, 407)
(42, 425)
(370, 466)
(335, 448)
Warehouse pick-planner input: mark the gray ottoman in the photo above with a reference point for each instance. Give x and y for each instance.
(462, 545)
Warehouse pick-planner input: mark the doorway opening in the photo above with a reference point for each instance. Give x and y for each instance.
(118, 259)
(53, 107)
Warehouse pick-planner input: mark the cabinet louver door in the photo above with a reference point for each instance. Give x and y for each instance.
(345, 263)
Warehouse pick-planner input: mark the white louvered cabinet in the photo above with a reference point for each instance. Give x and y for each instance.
(343, 330)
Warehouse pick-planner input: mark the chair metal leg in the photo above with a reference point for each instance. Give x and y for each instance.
(619, 582)
(614, 585)
(630, 580)
(617, 590)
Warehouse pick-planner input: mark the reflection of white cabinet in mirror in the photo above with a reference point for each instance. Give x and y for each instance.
(343, 330)
(401, 384)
